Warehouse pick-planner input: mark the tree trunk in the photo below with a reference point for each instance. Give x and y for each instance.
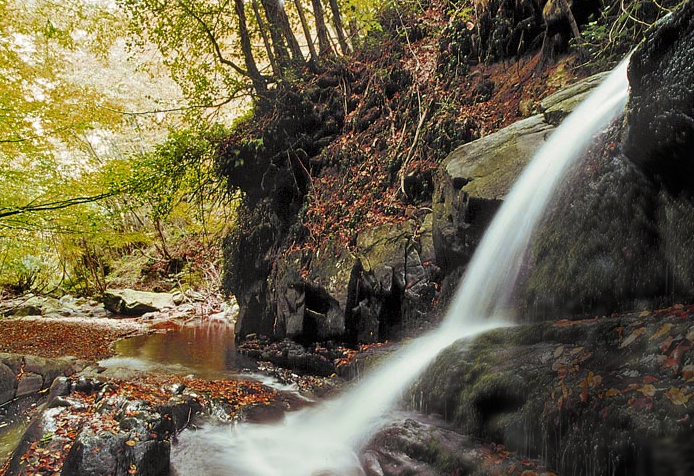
(281, 53)
(322, 29)
(294, 47)
(276, 71)
(247, 49)
(307, 31)
(339, 28)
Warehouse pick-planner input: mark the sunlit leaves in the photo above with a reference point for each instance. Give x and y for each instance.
(191, 36)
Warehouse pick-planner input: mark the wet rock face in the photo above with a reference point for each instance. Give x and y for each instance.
(660, 113)
(598, 249)
(601, 396)
(619, 234)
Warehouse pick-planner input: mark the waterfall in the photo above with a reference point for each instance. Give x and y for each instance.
(324, 440)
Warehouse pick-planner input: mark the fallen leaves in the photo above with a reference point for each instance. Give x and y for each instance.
(53, 338)
(636, 333)
(662, 330)
(648, 390)
(678, 396)
(47, 454)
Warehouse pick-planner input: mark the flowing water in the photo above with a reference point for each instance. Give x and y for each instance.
(324, 440)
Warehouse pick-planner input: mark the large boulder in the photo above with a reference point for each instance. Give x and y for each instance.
(475, 178)
(603, 396)
(27, 375)
(128, 302)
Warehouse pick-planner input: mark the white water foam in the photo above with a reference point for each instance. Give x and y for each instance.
(324, 440)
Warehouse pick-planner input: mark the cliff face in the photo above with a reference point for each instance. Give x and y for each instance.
(339, 236)
(619, 235)
(357, 223)
(604, 395)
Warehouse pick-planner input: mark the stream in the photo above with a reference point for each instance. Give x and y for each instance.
(205, 350)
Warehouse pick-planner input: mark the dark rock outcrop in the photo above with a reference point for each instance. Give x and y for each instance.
(27, 375)
(124, 437)
(618, 236)
(380, 289)
(660, 113)
(386, 283)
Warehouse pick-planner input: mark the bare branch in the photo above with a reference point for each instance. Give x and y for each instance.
(31, 207)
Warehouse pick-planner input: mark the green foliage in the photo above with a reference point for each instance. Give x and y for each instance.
(66, 152)
(199, 43)
(620, 26)
(178, 170)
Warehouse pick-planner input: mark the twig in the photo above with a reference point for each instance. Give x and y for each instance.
(410, 153)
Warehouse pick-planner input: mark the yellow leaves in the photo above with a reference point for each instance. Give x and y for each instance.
(678, 396)
(632, 337)
(688, 373)
(662, 330)
(648, 390)
(130, 443)
(591, 381)
(613, 392)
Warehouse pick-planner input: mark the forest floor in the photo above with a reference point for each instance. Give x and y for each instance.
(87, 339)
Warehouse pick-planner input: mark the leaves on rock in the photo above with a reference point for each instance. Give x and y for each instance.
(632, 337)
(662, 330)
(678, 396)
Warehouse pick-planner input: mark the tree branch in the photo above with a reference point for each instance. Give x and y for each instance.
(57, 205)
(213, 40)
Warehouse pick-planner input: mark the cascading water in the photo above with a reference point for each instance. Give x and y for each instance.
(324, 440)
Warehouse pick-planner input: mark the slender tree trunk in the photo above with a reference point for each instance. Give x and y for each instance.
(321, 29)
(247, 49)
(281, 53)
(307, 31)
(276, 71)
(339, 28)
(283, 20)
